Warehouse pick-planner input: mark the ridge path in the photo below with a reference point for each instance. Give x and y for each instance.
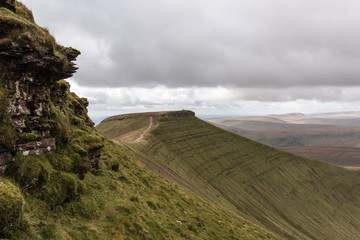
(146, 131)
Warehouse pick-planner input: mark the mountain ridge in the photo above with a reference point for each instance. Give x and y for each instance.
(274, 189)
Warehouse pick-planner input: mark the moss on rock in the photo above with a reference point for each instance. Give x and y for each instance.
(61, 162)
(27, 137)
(30, 171)
(63, 187)
(90, 141)
(11, 204)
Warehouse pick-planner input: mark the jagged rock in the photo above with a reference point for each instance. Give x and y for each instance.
(33, 95)
(28, 72)
(29, 67)
(38, 147)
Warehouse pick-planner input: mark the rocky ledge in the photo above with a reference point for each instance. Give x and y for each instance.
(36, 108)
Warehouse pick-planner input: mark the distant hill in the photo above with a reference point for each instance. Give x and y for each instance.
(303, 136)
(341, 115)
(342, 156)
(291, 121)
(294, 197)
(265, 125)
(306, 136)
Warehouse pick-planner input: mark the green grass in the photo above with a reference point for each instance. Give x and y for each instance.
(128, 127)
(11, 204)
(294, 197)
(130, 202)
(125, 128)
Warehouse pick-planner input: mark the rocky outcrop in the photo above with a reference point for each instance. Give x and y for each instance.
(28, 75)
(36, 108)
(38, 147)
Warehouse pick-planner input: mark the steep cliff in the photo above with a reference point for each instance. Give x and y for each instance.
(39, 114)
(37, 111)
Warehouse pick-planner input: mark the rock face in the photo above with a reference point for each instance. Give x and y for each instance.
(33, 100)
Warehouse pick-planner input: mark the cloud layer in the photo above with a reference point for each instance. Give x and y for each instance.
(232, 43)
(228, 57)
(218, 101)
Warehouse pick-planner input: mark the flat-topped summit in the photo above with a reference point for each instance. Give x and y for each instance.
(133, 127)
(182, 113)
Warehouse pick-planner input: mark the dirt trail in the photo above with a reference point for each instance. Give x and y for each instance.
(146, 131)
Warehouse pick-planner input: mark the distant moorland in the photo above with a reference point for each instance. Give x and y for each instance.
(333, 137)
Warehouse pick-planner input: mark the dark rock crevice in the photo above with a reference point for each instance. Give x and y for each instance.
(9, 4)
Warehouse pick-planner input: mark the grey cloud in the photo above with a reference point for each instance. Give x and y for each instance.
(236, 43)
(304, 93)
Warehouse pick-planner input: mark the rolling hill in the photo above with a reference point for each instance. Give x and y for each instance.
(282, 137)
(256, 125)
(342, 156)
(291, 121)
(336, 144)
(292, 196)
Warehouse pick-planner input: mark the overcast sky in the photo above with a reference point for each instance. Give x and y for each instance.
(216, 57)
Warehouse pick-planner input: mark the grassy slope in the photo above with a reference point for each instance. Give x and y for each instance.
(126, 127)
(129, 129)
(128, 201)
(292, 196)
